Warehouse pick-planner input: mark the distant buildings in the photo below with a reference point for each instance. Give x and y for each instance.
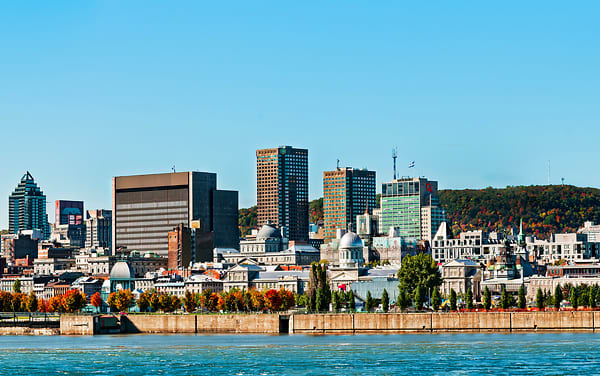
(412, 206)
(27, 208)
(282, 189)
(147, 207)
(347, 192)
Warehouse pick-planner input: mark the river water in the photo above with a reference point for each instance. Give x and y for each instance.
(407, 354)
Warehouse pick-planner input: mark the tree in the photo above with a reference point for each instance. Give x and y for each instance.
(55, 304)
(469, 298)
(18, 302)
(436, 299)
(96, 300)
(504, 299)
(592, 297)
(539, 299)
(143, 301)
(5, 301)
(154, 301)
(113, 301)
(522, 302)
(452, 300)
(287, 299)
(272, 300)
(403, 300)
(17, 286)
(258, 300)
(558, 296)
(335, 301)
(419, 299)
(351, 300)
(321, 303)
(385, 301)
(125, 300)
(189, 302)
(573, 298)
(32, 302)
(487, 299)
(42, 305)
(418, 273)
(369, 303)
(174, 303)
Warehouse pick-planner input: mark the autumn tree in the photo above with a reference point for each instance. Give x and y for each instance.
(287, 299)
(96, 300)
(189, 302)
(17, 286)
(55, 304)
(42, 305)
(113, 301)
(272, 300)
(32, 302)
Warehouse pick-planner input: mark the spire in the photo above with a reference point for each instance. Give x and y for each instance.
(367, 208)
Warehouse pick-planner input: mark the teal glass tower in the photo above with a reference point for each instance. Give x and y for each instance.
(27, 208)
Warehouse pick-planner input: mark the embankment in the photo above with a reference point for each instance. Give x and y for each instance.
(347, 323)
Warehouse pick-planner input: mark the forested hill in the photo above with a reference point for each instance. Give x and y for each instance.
(544, 209)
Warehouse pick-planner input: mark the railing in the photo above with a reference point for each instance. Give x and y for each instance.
(29, 320)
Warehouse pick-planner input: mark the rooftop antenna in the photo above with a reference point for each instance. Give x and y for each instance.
(394, 156)
(562, 181)
(338, 164)
(173, 168)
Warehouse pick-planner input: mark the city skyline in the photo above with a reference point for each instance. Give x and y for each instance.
(476, 96)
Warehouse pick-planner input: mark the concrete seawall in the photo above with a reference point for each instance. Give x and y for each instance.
(347, 323)
(445, 322)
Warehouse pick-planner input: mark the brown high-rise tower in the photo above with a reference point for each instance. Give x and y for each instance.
(282, 189)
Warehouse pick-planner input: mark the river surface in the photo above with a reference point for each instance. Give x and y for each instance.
(407, 354)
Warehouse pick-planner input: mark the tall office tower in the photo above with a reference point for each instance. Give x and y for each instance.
(282, 190)
(347, 193)
(98, 227)
(412, 206)
(147, 207)
(68, 212)
(27, 208)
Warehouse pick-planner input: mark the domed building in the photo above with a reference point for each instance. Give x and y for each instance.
(270, 247)
(350, 251)
(122, 277)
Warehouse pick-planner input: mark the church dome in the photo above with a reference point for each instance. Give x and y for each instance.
(268, 231)
(122, 270)
(351, 240)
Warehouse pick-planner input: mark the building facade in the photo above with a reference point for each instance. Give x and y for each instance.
(98, 227)
(147, 207)
(282, 189)
(412, 206)
(347, 193)
(27, 208)
(68, 212)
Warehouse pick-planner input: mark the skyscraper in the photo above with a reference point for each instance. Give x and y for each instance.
(347, 192)
(412, 206)
(147, 207)
(27, 208)
(282, 189)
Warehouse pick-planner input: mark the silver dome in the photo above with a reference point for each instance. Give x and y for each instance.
(350, 240)
(122, 270)
(268, 231)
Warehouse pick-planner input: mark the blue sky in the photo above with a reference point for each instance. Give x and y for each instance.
(478, 94)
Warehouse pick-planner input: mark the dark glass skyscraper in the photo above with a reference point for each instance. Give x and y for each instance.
(27, 208)
(282, 189)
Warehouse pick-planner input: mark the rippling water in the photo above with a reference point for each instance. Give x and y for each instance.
(419, 354)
